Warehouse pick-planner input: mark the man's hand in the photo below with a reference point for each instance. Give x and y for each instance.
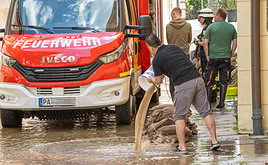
(200, 43)
(156, 80)
(207, 58)
(150, 79)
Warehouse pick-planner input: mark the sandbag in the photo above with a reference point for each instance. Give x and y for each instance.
(167, 130)
(161, 106)
(155, 126)
(160, 126)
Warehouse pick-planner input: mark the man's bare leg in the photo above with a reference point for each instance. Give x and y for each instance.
(210, 122)
(180, 130)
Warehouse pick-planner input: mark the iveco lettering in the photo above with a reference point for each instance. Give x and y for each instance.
(58, 59)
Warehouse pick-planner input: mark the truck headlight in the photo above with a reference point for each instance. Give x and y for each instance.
(7, 60)
(113, 55)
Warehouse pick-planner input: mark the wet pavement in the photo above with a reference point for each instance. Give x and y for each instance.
(100, 141)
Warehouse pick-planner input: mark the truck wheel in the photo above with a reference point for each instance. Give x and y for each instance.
(11, 118)
(125, 112)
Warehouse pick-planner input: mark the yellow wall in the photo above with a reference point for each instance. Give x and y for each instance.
(4, 5)
(244, 66)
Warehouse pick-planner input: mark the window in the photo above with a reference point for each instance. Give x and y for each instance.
(60, 15)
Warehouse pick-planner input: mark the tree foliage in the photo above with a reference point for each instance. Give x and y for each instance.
(195, 5)
(228, 4)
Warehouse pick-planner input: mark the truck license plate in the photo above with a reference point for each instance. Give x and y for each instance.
(52, 102)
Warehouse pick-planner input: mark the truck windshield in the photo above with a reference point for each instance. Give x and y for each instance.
(64, 16)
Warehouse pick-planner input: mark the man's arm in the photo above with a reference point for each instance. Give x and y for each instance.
(205, 46)
(190, 35)
(234, 46)
(167, 34)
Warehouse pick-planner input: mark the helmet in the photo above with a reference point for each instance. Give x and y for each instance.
(206, 13)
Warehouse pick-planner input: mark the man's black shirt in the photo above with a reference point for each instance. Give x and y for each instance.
(172, 61)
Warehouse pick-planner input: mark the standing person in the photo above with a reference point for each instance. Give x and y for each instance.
(220, 42)
(173, 62)
(179, 32)
(205, 18)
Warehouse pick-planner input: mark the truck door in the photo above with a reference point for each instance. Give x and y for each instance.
(137, 59)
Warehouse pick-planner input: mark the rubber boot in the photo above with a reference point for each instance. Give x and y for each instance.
(209, 93)
(222, 96)
(214, 96)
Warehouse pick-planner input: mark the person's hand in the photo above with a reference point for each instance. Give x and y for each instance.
(207, 59)
(196, 41)
(150, 79)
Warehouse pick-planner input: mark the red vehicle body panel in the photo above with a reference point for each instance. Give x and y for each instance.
(21, 48)
(29, 50)
(144, 51)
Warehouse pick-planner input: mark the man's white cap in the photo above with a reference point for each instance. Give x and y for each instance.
(206, 13)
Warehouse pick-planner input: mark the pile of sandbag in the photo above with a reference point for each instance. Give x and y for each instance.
(160, 125)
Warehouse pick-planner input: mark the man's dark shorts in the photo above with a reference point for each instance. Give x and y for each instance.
(191, 92)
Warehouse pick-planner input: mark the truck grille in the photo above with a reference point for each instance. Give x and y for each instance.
(59, 91)
(60, 74)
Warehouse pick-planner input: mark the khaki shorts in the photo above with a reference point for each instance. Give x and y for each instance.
(191, 92)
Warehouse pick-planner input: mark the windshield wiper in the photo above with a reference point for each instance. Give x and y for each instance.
(78, 28)
(35, 27)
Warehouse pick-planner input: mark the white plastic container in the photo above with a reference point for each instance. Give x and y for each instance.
(145, 85)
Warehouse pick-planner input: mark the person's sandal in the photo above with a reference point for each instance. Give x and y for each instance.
(180, 151)
(215, 146)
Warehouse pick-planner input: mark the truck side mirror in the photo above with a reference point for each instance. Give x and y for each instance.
(144, 27)
(146, 24)
(2, 31)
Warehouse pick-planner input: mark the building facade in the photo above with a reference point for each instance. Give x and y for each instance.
(245, 103)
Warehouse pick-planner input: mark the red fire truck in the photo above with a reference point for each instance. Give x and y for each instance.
(63, 58)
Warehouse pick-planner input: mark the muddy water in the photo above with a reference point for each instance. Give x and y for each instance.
(141, 116)
(100, 141)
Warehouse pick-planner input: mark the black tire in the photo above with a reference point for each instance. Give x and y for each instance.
(125, 112)
(11, 118)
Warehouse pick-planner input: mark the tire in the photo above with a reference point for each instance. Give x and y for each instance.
(125, 112)
(11, 118)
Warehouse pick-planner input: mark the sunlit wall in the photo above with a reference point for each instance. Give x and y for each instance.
(244, 66)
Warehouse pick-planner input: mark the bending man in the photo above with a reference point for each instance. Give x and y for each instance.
(173, 62)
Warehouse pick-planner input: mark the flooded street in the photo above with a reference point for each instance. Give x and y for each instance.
(96, 142)
(100, 141)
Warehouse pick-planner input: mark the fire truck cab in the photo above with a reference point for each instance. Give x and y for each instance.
(63, 58)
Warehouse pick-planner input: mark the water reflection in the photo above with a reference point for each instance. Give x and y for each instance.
(34, 132)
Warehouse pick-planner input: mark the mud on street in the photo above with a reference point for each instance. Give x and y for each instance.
(100, 141)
